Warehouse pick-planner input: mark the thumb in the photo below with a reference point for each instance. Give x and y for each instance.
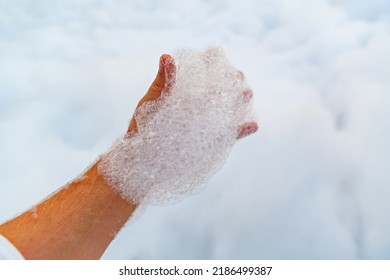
(163, 82)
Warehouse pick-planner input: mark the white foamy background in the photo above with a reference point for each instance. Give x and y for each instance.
(313, 183)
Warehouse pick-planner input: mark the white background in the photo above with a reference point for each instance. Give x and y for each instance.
(313, 183)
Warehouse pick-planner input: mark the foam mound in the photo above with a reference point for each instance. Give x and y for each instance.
(185, 136)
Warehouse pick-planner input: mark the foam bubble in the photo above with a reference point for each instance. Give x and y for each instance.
(185, 136)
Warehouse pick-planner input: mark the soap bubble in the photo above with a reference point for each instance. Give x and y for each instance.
(183, 137)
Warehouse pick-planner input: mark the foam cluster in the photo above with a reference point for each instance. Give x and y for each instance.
(185, 136)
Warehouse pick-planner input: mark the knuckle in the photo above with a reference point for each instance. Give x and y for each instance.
(157, 86)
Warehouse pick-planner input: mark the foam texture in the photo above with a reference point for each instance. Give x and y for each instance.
(185, 136)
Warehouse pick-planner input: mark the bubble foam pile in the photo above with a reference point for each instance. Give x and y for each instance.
(183, 137)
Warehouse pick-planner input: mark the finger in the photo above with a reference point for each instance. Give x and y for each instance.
(170, 72)
(247, 94)
(247, 129)
(163, 82)
(240, 76)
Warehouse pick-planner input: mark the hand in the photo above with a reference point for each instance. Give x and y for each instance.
(163, 83)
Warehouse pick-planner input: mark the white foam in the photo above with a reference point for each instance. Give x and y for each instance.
(185, 136)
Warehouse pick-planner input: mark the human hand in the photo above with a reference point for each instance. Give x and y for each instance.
(164, 81)
(182, 130)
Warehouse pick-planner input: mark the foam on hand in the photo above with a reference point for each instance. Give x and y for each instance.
(185, 136)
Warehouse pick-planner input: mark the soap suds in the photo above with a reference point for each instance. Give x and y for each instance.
(185, 136)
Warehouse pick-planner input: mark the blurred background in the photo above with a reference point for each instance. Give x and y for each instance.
(313, 183)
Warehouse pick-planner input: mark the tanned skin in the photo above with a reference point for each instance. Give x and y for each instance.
(81, 219)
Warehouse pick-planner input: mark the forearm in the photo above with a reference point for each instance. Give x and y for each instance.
(82, 218)
(77, 222)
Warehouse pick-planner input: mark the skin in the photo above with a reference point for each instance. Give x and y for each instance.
(81, 219)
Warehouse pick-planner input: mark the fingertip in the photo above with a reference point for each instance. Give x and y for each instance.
(255, 127)
(164, 57)
(247, 94)
(169, 67)
(161, 65)
(168, 61)
(240, 75)
(247, 129)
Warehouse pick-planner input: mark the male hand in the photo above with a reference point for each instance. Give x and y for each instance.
(164, 81)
